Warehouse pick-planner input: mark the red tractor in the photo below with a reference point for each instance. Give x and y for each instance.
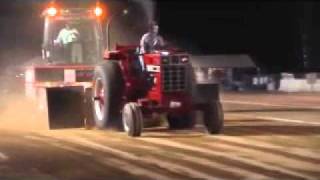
(113, 88)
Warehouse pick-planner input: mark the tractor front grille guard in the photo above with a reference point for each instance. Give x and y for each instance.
(174, 74)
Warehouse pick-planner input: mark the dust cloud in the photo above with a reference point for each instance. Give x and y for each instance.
(19, 113)
(16, 111)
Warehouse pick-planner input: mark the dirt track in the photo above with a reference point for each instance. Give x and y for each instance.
(285, 146)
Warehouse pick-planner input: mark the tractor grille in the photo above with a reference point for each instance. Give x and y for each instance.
(174, 74)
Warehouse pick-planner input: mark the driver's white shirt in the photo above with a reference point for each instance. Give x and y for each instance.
(151, 40)
(67, 36)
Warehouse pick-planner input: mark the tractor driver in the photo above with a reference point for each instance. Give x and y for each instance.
(68, 38)
(151, 41)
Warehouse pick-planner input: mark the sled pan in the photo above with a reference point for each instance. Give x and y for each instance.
(65, 107)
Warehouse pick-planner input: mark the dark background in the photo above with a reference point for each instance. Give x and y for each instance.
(269, 31)
(279, 36)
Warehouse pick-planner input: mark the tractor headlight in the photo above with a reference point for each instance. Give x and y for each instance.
(165, 53)
(185, 59)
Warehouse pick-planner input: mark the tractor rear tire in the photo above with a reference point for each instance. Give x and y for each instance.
(181, 122)
(107, 93)
(213, 117)
(132, 119)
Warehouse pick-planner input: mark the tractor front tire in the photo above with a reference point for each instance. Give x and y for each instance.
(213, 117)
(132, 119)
(177, 122)
(107, 93)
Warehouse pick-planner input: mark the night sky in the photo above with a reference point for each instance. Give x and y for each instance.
(268, 31)
(273, 33)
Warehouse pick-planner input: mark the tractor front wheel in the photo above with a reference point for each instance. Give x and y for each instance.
(132, 119)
